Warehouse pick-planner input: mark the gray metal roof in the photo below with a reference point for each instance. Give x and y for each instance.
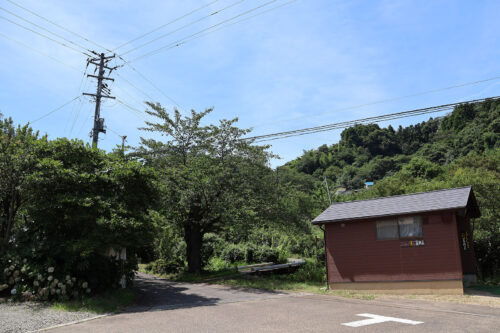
(455, 198)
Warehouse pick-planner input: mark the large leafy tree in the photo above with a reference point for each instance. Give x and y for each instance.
(208, 174)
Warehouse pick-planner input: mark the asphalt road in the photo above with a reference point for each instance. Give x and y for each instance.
(180, 307)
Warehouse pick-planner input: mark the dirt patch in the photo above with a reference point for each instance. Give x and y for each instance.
(471, 296)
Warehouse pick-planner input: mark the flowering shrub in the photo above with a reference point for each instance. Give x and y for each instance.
(31, 282)
(20, 279)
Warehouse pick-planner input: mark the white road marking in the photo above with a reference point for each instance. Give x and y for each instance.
(376, 319)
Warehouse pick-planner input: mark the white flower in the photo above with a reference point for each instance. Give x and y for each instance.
(68, 277)
(23, 270)
(52, 291)
(50, 270)
(50, 278)
(13, 291)
(88, 290)
(60, 284)
(85, 285)
(73, 279)
(3, 286)
(39, 277)
(16, 273)
(25, 260)
(12, 267)
(58, 291)
(36, 283)
(63, 292)
(6, 271)
(56, 280)
(53, 284)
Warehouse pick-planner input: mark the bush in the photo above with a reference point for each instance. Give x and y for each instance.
(233, 253)
(488, 256)
(165, 266)
(30, 281)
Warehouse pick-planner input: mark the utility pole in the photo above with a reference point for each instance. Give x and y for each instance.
(123, 144)
(328, 191)
(101, 64)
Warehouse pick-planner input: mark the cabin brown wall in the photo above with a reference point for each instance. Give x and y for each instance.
(355, 255)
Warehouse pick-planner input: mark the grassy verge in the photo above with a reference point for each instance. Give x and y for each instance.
(306, 279)
(191, 277)
(495, 290)
(111, 301)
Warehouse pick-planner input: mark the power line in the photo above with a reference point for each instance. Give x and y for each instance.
(387, 100)
(186, 40)
(58, 25)
(135, 111)
(135, 87)
(190, 38)
(56, 109)
(183, 27)
(202, 31)
(39, 52)
(80, 103)
(145, 78)
(164, 25)
(45, 36)
(40, 27)
(375, 119)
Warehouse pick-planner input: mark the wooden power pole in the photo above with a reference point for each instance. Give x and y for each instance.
(103, 91)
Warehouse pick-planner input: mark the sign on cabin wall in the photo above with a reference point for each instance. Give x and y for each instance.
(465, 240)
(413, 243)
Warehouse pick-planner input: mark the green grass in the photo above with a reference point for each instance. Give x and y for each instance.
(305, 280)
(277, 282)
(112, 301)
(495, 290)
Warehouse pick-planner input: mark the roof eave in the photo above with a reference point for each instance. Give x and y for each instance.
(314, 222)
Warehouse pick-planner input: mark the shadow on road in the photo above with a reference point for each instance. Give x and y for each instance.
(156, 294)
(160, 294)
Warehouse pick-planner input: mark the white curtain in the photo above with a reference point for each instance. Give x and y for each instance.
(410, 226)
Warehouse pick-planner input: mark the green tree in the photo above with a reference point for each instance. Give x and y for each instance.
(18, 152)
(207, 173)
(84, 202)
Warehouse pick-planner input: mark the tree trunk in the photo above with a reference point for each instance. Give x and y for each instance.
(193, 237)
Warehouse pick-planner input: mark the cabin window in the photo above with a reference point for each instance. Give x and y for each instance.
(402, 227)
(387, 229)
(410, 226)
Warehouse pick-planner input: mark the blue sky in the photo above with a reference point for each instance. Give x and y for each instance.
(293, 67)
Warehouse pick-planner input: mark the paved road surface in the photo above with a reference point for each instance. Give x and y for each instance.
(181, 307)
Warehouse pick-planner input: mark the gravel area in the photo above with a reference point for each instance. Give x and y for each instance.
(29, 316)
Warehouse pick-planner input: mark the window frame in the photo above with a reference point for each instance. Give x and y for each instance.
(396, 217)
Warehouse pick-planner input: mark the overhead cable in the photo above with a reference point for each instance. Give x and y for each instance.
(164, 25)
(39, 52)
(195, 36)
(55, 110)
(45, 36)
(44, 29)
(375, 119)
(202, 31)
(58, 25)
(182, 27)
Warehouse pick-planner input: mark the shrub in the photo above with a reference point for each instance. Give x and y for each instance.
(233, 253)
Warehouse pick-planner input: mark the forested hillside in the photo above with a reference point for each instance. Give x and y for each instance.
(370, 153)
